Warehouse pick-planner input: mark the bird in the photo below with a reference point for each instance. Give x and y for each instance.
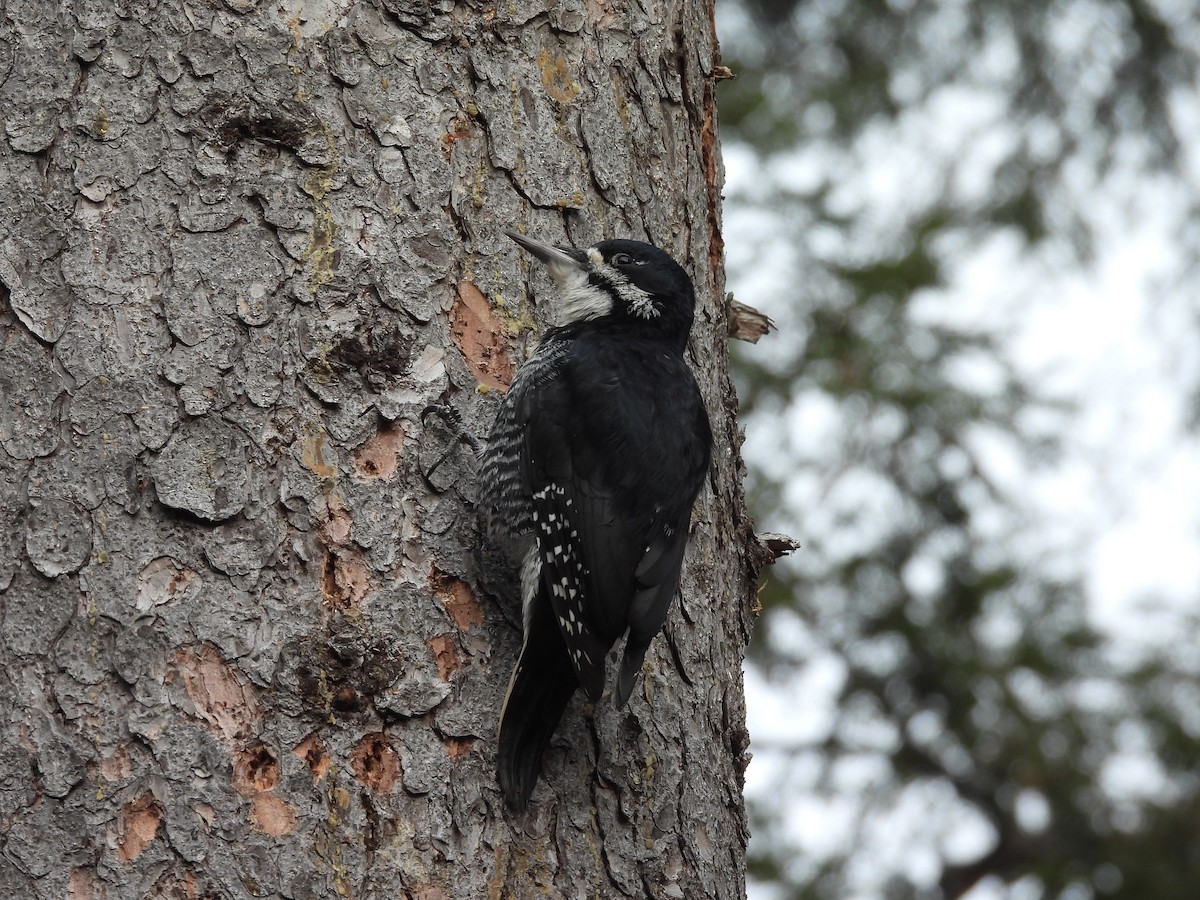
(598, 452)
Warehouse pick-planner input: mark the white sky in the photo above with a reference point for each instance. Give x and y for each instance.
(1118, 340)
(1121, 508)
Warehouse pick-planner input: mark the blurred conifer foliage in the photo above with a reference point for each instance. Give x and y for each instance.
(960, 727)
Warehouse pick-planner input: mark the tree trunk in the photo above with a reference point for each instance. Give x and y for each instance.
(252, 269)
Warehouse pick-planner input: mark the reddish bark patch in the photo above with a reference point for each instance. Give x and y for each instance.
(375, 763)
(115, 767)
(600, 12)
(272, 815)
(256, 775)
(312, 751)
(430, 892)
(711, 155)
(456, 596)
(137, 827)
(207, 815)
(345, 576)
(459, 747)
(445, 653)
(220, 699)
(255, 770)
(346, 579)
(336, 523)
(319, 458)
(478, 337)
(378, 458)
(82, 885)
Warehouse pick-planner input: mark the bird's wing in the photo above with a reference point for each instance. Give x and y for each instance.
(574, 526)
(611, 536)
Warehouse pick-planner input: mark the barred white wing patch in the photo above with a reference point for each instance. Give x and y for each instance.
(503, 493)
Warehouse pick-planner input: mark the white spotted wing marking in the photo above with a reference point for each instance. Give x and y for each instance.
(557, 542)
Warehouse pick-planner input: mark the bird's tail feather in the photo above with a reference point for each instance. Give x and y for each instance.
(631, 666)
(538, 693)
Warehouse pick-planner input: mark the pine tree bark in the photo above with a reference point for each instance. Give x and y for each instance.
(252, 270)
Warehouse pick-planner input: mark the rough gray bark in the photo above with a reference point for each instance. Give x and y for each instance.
(244, 647)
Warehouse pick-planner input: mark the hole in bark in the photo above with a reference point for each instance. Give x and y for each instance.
(346, 700)
(255, 769)
(375, 763)
(312, 752)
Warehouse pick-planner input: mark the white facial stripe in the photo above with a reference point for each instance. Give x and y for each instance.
(631, 295)
(579, 299)
(562, 271)
(634, 297)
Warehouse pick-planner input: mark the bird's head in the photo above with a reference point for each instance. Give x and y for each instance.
(624, 283)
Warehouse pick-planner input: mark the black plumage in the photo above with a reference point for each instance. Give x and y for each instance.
(598, 453)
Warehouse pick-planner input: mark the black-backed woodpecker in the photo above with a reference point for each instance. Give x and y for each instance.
(596, 457)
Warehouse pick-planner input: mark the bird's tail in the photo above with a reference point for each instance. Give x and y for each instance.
(538, 693)
(631, 666)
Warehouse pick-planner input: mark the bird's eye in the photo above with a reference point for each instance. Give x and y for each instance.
(622, 259)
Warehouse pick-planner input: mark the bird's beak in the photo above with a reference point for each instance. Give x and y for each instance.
(559, 260)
